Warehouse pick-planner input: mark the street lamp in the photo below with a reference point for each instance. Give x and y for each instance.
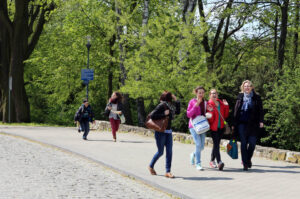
(88, 46)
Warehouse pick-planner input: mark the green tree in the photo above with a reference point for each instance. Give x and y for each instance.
(21, 25)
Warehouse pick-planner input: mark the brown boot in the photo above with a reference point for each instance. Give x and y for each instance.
(169, 175)
(152, 171)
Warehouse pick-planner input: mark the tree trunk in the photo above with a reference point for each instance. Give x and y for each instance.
(123, 75)
(216, 45)
(18, 91)
(296, 34)
(222, 46)
(140, 100)
(111, 64)
(21, 35)
(283, 27)
(275, 34)
(4, 76)
(19, 44)
(141, 111)
(188, 7)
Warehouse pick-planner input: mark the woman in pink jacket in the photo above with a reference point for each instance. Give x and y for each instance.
(197, 106)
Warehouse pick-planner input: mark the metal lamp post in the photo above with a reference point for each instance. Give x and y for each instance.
(88, 46)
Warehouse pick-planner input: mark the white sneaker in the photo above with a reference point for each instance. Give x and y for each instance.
(213, 164)
(199, 167)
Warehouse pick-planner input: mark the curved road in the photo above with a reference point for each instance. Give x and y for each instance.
(41, 171)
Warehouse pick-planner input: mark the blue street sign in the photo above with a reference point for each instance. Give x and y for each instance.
(87, 74)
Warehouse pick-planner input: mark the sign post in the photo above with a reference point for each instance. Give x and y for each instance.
(86, 76)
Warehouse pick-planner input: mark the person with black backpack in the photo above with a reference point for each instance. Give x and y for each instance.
(84, 115)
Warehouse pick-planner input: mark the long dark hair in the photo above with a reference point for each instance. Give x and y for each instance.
(118, 99)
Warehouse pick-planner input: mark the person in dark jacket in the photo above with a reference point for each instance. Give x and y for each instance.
(248, 119)
(164, 139)
(85, 115)
(113, 110)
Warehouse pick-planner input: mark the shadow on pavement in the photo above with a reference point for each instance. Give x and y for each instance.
(199, 178)
(279, 167)
(256, 170)
(88, 140)
(118, 141)
(205, 178)
(134, 141)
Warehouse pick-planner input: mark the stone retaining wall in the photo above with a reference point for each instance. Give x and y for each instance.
(260, 151)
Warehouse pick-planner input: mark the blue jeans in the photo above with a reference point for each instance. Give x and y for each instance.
(247, 144)
(199, 140)
(85, 127)
(162, 140)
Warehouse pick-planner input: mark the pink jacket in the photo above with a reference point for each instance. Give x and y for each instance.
(193, 111)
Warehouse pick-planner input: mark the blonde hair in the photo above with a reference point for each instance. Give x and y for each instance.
(244, 82)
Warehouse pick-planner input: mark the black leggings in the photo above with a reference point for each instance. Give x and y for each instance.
(216, 137)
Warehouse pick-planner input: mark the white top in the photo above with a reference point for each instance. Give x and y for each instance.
(112, 114)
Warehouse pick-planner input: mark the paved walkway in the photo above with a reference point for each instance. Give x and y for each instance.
(131, 154)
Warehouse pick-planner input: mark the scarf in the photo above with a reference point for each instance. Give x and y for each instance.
(171, 108)
(247, 101)
(113, 100)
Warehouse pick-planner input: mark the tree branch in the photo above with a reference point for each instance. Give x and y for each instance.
(4, 19)
(205, 40)
(39, 28)
(33, 17)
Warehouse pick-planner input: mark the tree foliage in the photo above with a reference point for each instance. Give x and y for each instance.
(143, 47)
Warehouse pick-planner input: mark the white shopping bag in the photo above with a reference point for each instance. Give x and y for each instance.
(122, 118)
(200, 124)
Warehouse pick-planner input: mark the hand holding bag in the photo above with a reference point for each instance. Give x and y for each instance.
(122, 118)
(200, 124)
(159, 125)
(232, 149)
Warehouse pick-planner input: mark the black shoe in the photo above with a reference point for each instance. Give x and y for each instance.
(84, 138)
(221, 166)
(79, 131)
(249, 164)
(245, 167)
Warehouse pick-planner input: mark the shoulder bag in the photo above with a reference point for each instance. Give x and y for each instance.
(200, 124)
(226, 126)
(159, 125)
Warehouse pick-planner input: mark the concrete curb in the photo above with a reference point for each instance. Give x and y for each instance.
(260, 151)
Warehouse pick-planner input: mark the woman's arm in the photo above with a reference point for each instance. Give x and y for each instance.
(261, 112)
(210, 109)
(226, 111)
(158, 112)
(191, 109)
